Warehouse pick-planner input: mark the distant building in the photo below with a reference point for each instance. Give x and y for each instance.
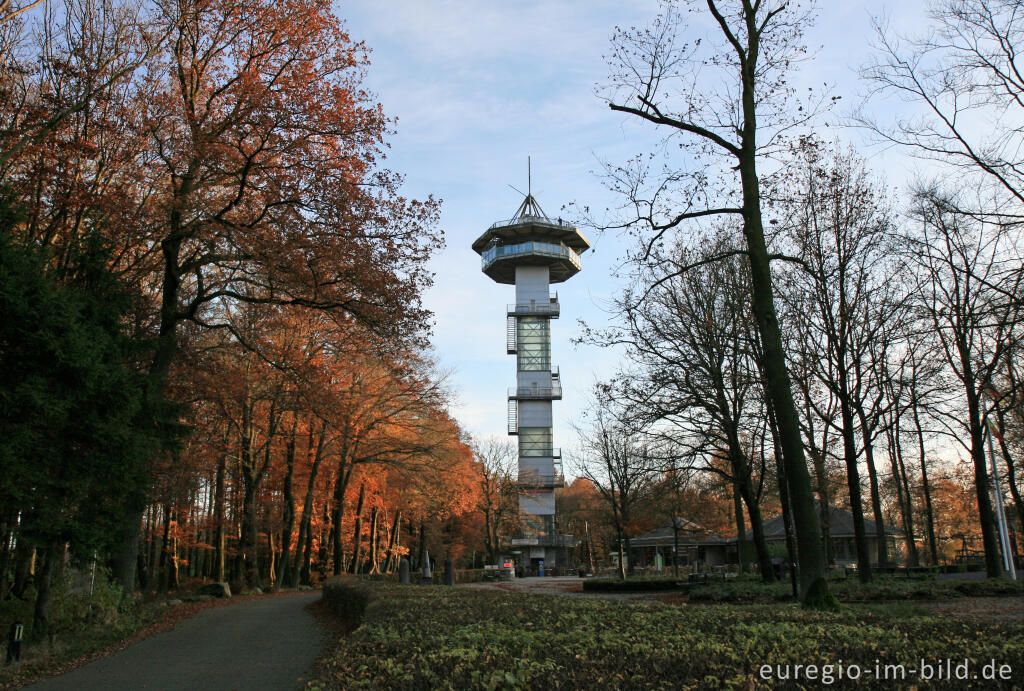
(841, 536)
(697, 545)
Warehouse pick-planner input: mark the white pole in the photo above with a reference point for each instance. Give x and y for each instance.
(997, 490)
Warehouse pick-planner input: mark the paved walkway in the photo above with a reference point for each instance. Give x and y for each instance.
(269, 643)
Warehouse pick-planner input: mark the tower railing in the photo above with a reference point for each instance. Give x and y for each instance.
(536, 480)
(534, 452)
(548, 308)
(530, 219)
(542, 481)
(533, 247)
(537, 393)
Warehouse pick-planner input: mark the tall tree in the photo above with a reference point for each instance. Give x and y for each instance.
(75, 434)
(844, 301)
(692, 340)
(731, 126)
(974, 280)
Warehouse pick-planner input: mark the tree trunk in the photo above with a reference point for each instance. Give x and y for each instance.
(933, 545)
(288, 508)
(876, 495)
(49, 557)
(787, 512)
(814, 591)
(741, 538)
(986, 515)
(165, 549)
(903, 492)
(218, 519)
(1011, 471)
(390, 558)
(860, 538)
(305, 523)
(374, 548)
(340, 485)
(24, 556)
(764, 560)
(422, 547)
(824, 502)
(357, 532)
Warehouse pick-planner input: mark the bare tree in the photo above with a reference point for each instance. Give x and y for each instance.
(496, 460)
(693, 340)
(966, 74)
(974, 280)
(614, 456)
(730, 126)
(844, 303)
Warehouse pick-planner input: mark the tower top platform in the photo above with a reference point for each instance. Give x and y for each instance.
(531, 238)
(531, 223)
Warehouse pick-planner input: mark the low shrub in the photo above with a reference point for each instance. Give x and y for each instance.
(347, 597)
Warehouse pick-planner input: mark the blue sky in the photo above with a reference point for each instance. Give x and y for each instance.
(477, 87)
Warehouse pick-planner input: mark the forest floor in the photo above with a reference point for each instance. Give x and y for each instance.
(269, 642)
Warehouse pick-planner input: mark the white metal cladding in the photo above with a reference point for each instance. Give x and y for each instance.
(532, 284)
(535, 414)
(532, 468)
(538, 503)
(527, 379)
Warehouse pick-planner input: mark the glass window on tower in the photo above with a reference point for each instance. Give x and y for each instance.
(534, 344)
(535, 441)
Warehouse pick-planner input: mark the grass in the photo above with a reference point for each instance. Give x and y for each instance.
(453, 638)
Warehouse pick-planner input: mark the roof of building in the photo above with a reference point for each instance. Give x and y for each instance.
(840, 526)
(690, 534)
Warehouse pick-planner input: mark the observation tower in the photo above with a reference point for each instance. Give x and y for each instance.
(531, 251)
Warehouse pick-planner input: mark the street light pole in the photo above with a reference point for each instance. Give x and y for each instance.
(997, 490)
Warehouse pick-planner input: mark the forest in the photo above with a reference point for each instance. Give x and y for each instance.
(215, 359)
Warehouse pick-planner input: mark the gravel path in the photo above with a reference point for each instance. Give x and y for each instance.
(269, 643)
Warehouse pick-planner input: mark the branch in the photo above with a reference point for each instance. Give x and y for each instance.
(657, 118)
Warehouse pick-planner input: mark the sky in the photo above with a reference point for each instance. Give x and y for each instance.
(476, 87)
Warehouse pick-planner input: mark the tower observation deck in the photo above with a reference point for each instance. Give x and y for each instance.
(531, 251)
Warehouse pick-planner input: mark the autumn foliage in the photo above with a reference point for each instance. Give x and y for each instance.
(228, 161)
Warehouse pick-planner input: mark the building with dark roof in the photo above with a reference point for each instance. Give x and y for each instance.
(840, 533)
(694, 544)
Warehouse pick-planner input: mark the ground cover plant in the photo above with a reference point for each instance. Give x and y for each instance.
(882, 588)
(411, 638)
(748, 589)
